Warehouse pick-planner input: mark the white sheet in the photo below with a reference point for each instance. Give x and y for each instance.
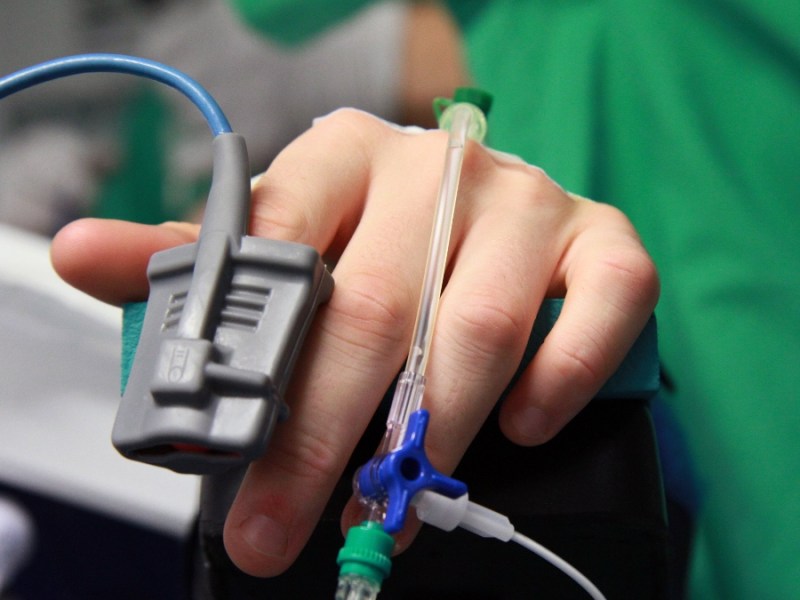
(59, 389)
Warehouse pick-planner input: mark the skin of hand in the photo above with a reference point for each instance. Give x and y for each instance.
(363, 192)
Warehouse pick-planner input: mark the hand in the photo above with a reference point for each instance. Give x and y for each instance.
(363, 193)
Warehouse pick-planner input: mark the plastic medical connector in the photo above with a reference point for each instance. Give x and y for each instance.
(396, 478)
(385, 479)
(474, 97)
(448, 513)
(464, 118)
(225, 319)
(364, 562)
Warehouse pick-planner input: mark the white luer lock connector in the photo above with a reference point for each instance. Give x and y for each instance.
(448, 513)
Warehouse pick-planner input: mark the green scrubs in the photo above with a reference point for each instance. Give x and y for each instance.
(686, 115)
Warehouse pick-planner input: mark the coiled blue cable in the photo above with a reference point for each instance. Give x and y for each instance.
(119, 63)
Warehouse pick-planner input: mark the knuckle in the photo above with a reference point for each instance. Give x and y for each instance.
(525, 186)
(275, 215)
(309, 458)
(349, 117)
(477, 163)
(625, 262)
(531, 184)
(541, 192)
(490, 322)
(420, 150)
(536, 179)
(635, 274)
(579, 360)
(349, 123)
(371, 310)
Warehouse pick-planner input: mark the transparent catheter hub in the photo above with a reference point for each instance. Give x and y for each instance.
(386, 484)
(355, 587)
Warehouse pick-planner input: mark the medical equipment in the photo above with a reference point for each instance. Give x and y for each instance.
(223, 326)
(401, 474)
(225, 317)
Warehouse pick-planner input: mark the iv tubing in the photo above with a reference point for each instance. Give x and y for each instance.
(561, 564)
(440, 239)
(449, 513)
(408, 394)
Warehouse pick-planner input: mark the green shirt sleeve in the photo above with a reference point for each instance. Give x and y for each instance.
(291, 22)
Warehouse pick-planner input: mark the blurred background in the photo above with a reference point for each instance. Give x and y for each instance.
(116, 146)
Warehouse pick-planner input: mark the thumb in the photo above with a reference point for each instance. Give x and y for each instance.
(108, 259)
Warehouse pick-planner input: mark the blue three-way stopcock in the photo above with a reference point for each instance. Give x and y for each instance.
(398, 476)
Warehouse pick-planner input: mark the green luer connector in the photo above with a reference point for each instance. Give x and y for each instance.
(366, 552)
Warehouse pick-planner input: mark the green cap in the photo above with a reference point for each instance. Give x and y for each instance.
(476, 96)
(367, 552)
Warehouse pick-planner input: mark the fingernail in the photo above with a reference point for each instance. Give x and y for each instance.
(265, 535)
(531, 424)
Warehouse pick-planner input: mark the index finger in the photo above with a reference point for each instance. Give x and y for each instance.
(355, 203)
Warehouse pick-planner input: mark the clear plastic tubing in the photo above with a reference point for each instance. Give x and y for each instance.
(464, 121)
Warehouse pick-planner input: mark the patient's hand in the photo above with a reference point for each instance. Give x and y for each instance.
(363, 192)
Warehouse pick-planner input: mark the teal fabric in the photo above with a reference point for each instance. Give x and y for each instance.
(132, 323)
(686, 115)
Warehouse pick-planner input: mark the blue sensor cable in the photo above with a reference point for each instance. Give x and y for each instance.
(119, 63)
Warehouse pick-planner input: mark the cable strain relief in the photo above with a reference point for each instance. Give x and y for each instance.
(228, 206)
(366, 552)
(487, 523)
